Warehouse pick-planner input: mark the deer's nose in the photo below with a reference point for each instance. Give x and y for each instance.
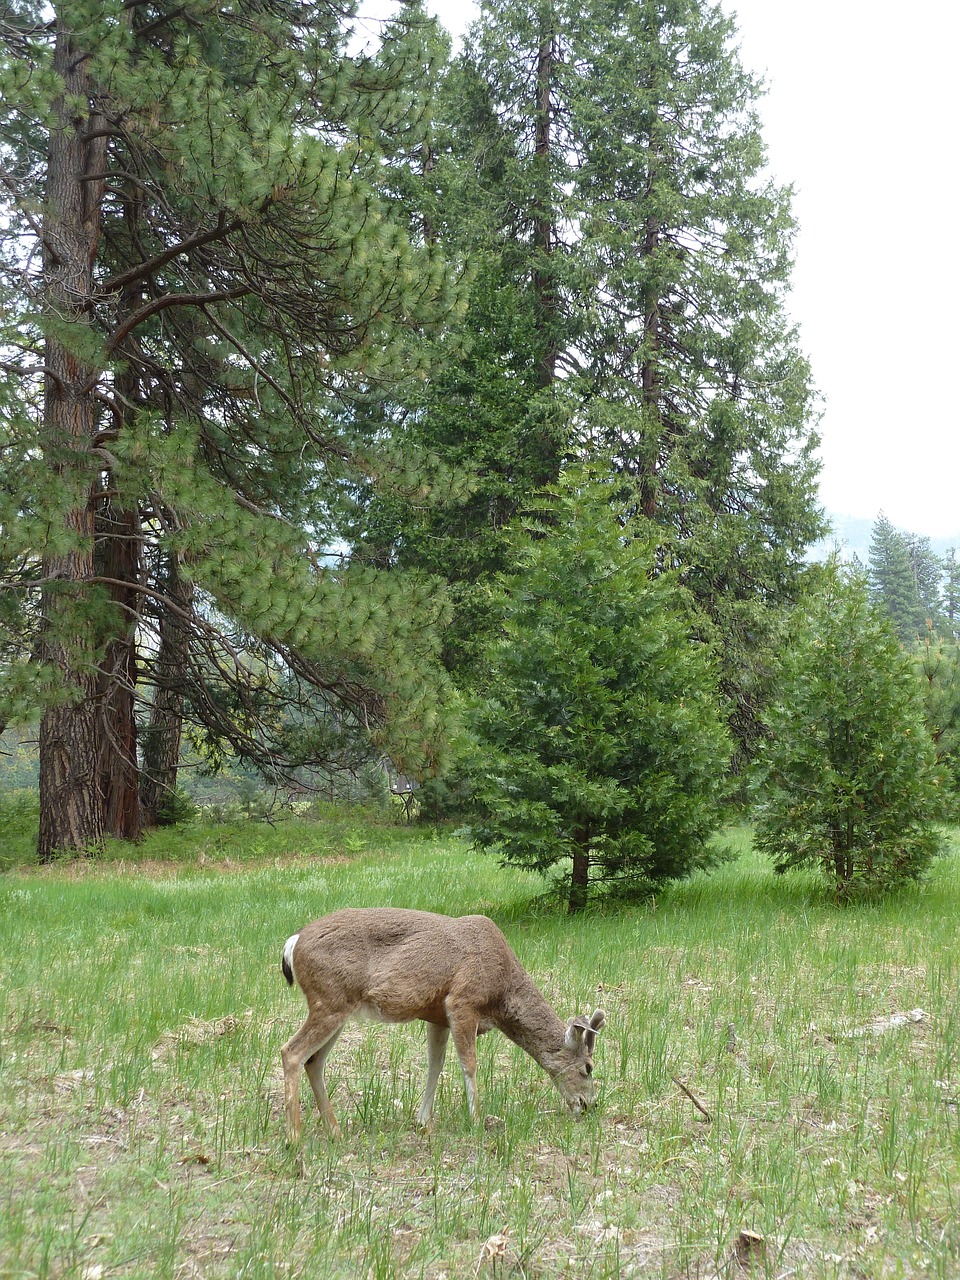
(580, 1104)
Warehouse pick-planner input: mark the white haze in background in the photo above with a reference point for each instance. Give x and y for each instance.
(861, 117)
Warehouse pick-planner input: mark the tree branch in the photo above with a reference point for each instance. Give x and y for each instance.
(24, 371)
(220, 232)
(30, 220)
(171, 300)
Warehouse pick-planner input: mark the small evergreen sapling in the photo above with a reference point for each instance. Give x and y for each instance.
(601, 745)
(847, 779)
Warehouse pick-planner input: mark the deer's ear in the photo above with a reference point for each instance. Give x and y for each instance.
(577, 1028)
(593, 1026)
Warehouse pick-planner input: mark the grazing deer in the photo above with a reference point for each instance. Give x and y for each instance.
(456, 975)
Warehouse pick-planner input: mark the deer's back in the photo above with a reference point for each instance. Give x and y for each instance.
(397, 965)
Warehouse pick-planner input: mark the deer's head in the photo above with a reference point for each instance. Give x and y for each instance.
(572, 1068)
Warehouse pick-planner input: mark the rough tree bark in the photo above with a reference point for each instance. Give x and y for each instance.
(71, 796)
(579, 880)
(118, 561)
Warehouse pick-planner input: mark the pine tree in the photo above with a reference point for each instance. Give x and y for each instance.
(927, 569)
(951, 592)
(904, 577)
(217, 267)
(490, 411)
(485, 415)
(848, 780)
(600, 747)
(701, 390)
(629, 301)
(937, 664)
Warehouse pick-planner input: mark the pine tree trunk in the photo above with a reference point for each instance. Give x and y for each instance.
(161, 742)
(71, 799)
(118, 560)
(579, 877)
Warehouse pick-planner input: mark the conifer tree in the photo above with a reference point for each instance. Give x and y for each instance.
(928, 569)
(491, 410)
(937, 664)
(951, 591)
(600, 747)
(904, 577)
(198, 264)
(603, 164)
(848, 781)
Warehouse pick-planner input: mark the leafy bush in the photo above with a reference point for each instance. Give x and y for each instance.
(175, 807)
(847, 779)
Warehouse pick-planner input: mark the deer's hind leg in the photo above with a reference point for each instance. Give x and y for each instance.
(314, 1068)
(309, 1049)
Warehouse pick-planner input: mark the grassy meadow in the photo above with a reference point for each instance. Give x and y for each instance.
(141, 1132)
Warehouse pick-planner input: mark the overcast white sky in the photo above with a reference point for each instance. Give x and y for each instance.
(861, 117)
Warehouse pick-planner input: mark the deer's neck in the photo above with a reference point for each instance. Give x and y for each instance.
(528, 1020)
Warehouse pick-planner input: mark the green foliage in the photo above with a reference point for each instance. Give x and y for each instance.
(19, 818)
(484, 414)
(951, 592)
(905, 575)
(628, 300)
(19, 760)
(175, 807)
(937, 664)
(698, 385)
(600, 744)
(847, 778)
(239, 269)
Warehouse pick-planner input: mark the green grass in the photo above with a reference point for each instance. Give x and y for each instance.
(141, 1134)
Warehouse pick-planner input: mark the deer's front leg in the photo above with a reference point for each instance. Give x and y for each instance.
(437, 1038)
(465, 1040)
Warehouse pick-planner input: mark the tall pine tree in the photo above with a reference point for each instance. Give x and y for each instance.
(904, 576)
(203, 268)
(603, 164)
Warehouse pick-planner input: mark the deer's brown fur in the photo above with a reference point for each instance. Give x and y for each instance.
(458, 975)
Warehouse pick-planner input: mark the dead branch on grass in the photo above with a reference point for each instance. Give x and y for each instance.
(694, 1099)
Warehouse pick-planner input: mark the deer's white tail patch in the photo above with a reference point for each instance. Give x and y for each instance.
(287, 963)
